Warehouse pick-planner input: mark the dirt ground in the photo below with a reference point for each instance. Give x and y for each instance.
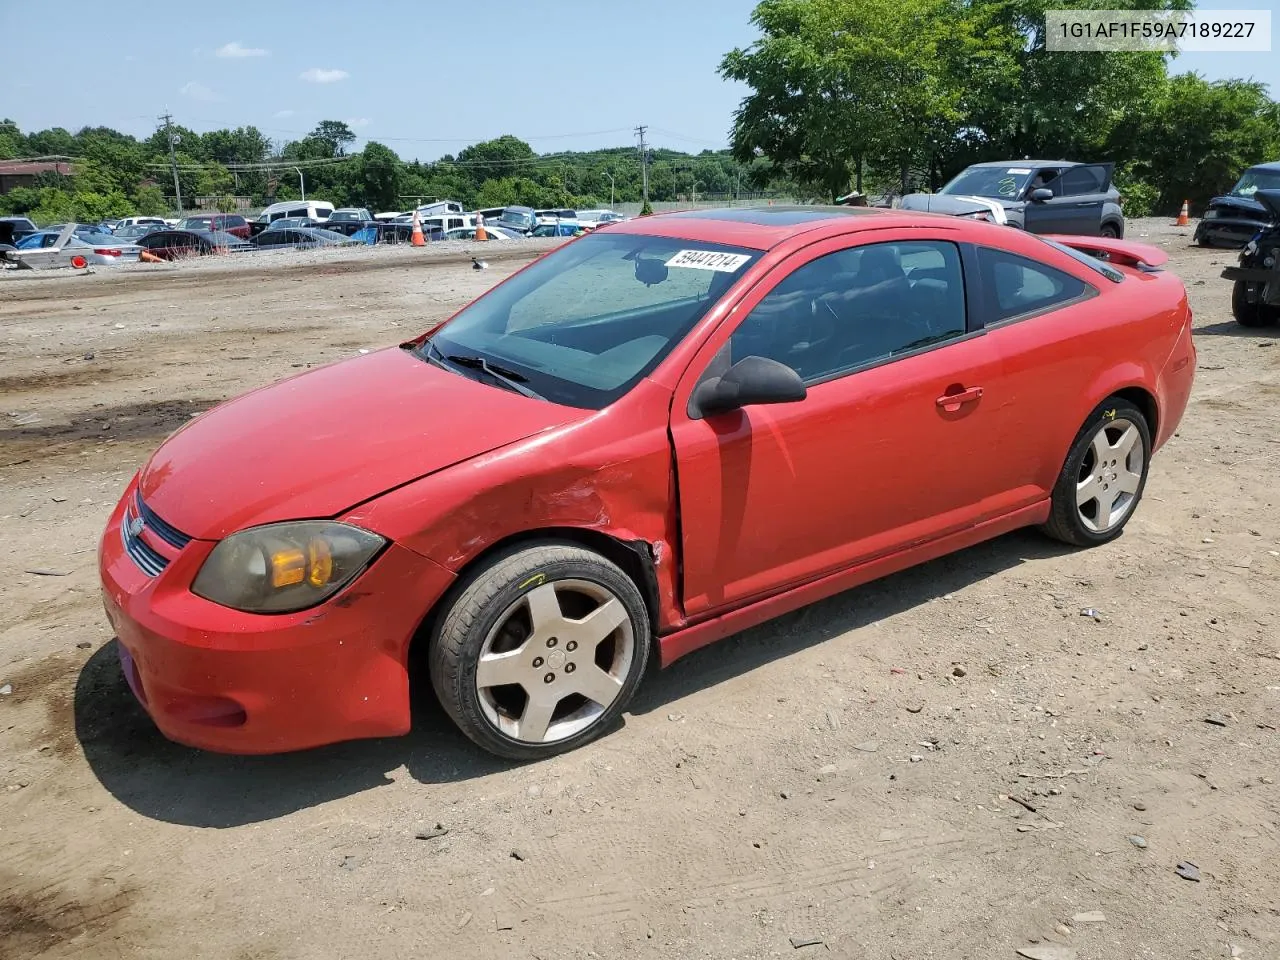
(846, 774)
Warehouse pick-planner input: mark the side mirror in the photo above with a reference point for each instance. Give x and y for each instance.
(1041, 194)
(750, 381)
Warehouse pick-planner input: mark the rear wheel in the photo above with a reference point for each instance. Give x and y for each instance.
(1110, 231)
(541, 651)
(1252, 313)
(1103, 477)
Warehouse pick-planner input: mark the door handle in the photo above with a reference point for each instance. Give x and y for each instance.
(951, 402)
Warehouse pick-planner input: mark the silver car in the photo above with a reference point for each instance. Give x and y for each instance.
(71, 245)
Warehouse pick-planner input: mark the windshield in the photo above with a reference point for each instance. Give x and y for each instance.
(342, 216)
(195, 223)
(1255, 180)
(584, 323)
(1005, 183)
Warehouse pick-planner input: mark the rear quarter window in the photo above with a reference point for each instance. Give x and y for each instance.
(1019, 287)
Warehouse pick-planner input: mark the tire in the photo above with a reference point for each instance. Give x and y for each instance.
(1086, 473)
(1251, 314)
(1109, 231)
(523, 613)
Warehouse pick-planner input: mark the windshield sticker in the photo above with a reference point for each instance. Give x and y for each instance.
(708, 260)
(1022, 171)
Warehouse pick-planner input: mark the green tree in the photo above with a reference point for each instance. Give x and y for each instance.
(1196, 137)
(336, 134)
(12, 142)
(150, 201)
(837, 82)
(378, 176)
(507, 156)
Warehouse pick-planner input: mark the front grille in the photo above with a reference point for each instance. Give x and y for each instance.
(170, 535)
(137, 517)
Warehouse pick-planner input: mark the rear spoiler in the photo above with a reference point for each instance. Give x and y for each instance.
(1123, 252)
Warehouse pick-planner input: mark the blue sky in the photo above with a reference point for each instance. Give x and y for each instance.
(424, 78)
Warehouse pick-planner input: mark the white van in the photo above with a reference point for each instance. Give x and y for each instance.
(315, 209)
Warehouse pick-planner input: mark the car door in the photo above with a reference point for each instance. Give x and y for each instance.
(1036, 319)
(896, 443)
(1076, 206)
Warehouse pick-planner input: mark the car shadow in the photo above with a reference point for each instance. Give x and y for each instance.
(1229, 328)
(165, 781)
(830, 618)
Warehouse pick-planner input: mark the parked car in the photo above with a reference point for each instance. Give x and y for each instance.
(598, 217)
(514, 218)
(315, 209)
(13, 229)
(1040, 196)
(232, 223)
(1234, 219)
(302, 237)
(658, 435)
(564, 228)
(469, 233)
(66, 246)
(350, 215)
(182, 244)
(138, 221)
(285, 223)
(1255, 296)
(555, 216)
(134, 233)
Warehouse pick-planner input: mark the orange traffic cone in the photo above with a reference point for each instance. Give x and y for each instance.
(417, 239)
(1184, 216)
(146, 256)
(481, 232)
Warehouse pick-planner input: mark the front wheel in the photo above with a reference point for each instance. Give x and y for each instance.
(541, 651)
(1251, 313)
(1110, 231)
(1103, 477)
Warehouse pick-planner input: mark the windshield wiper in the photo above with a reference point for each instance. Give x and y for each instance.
(508, 378)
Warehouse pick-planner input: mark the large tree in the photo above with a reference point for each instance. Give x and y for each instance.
(837, 82)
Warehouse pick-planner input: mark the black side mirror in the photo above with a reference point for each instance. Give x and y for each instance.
(1041, 194)
(750, 381)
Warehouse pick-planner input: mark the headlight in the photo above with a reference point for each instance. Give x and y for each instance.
(285, 566)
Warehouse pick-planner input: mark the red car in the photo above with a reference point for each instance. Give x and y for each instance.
(232, 223)
(655, 436)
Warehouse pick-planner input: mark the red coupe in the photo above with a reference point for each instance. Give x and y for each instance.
(653, 437)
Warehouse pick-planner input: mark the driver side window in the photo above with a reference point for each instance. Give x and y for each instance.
(856, 307)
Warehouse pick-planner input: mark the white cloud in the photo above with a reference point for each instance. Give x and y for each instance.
(284, 113)
(236, 49)
(317, 75)
(359, 122)
(198, 91)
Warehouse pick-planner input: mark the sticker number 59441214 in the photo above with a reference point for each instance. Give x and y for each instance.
(708, 260)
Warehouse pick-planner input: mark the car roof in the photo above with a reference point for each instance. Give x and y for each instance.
(1274, 165)
(761, 228)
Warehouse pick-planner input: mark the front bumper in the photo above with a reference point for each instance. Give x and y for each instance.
(233, 682)
(1227, 231)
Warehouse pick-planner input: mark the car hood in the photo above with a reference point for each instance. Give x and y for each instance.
(321, 442)
(1271, 200)
(1249, 209)
(954, 205)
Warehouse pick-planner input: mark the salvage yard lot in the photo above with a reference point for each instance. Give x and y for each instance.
(845, 774)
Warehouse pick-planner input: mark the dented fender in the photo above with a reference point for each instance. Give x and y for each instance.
(608, 474)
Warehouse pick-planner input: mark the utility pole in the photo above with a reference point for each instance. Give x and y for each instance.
(173, 160)
(644, 162)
